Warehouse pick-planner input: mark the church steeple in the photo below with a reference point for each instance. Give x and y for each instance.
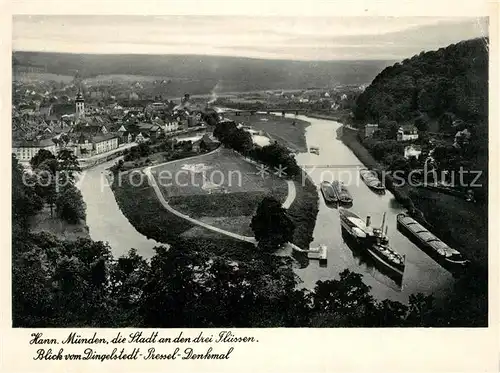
(80, 104)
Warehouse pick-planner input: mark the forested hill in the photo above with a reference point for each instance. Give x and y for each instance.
(451, 82)
(232, 73)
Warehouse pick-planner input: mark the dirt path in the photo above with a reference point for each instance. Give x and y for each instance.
(152, 181)
(292, 193)
(161, 198)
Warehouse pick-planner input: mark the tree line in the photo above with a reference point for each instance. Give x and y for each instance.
(451, 81)
(50, 183)
(273, 155)
(80, 284)
(445, 91)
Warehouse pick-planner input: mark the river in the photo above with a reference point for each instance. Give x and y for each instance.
(107, 223)
(336, 160)
(105, 220)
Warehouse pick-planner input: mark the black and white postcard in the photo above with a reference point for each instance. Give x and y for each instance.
(240, 185)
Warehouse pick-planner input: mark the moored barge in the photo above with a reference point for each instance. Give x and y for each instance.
(371, 179)
(432, 245)
(372, 239)
(344, 195)
(329, 192)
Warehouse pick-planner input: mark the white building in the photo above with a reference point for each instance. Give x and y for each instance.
(413, 151)
(105, 143)
(25, 150)
(171, 126)
(140, 138)
(407, 133)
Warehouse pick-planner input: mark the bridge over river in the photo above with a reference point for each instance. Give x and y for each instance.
(283, 111)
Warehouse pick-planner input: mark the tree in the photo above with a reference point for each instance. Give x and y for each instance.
(41, 156)
(391, 130)
(396, 162)
(453, 79)
(70, 205)
(271, 225)
(422, 123)
(143, 149)
(210, 117)
(68, 163)
(241, 141)
(25, 201)
(343, 302)
(446, 122)
(421, 311)
(128, 276)
(47, 182)
(61, 283)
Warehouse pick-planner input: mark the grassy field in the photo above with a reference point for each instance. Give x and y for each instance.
(63, 230)
(27, 77)
(304, 209)
(145, 212)
(281, 129)
(231, 211)
(232, 203)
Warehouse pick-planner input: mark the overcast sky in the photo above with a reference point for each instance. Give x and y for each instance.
(300, 38)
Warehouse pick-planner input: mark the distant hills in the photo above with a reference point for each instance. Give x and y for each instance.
(228, 73)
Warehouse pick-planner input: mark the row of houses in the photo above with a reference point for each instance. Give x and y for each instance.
(91, 138)
(89, 131)
(82, 146)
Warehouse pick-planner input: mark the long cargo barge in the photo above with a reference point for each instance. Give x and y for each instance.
(433, 246)
(342, 192)
(371, 179)
(329, 192)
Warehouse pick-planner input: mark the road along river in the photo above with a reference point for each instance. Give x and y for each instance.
(335, 160)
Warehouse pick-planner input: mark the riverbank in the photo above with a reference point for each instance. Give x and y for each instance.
(457, 222)
(44, 222)
(303, 211)
(147, 215)
(223, 202)
(141, 207)
(288, 131)
(340, 117)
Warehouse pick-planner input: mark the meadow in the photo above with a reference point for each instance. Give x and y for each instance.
(221, 189)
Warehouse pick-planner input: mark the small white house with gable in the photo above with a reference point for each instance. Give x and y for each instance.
(407, 133)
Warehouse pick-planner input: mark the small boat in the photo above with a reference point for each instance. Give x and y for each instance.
(329, 192)
(343, 193)
(314, 150)
(372, 239)
(432, 245)
(371, 179)
(319, 253)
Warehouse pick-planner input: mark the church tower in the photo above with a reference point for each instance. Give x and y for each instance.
(80, 105)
